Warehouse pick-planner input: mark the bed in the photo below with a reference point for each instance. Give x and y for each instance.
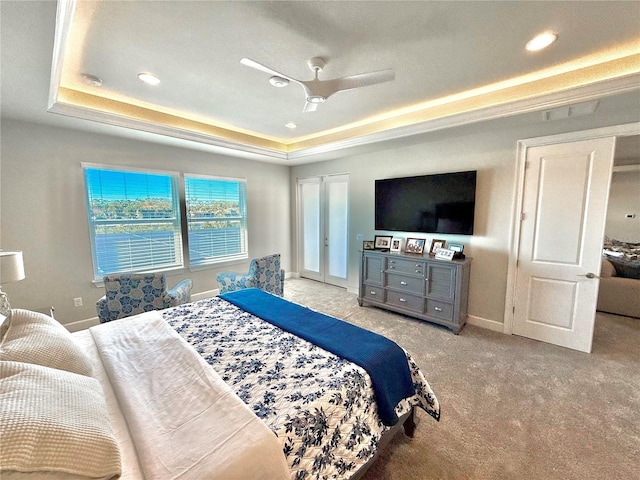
(205, 390)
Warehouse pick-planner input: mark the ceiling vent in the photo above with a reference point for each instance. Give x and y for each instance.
(576, 110)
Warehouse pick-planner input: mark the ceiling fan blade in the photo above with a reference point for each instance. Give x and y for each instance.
(310, 107)
(263, 68)
(356, 81)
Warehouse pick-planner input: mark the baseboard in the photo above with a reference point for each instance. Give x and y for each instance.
(202, 295)
(485, 323)
(82, 324)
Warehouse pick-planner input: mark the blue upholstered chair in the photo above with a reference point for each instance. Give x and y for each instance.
(132, 293)
(264, 273)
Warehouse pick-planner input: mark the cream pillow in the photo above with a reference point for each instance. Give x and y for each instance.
(33, 337)
(54, 423)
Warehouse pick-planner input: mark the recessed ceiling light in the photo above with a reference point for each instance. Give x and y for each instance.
(541, 41)
(149, 78)
(92, 80)
(316, 99)
(291, 125)
(278, 81)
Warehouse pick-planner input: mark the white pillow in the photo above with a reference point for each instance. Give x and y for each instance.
(54, 424)
(33, 337)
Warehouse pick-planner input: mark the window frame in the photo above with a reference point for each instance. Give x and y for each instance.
(180, 207)
(244, 240)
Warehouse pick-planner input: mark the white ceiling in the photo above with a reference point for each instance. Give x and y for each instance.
(441, 52)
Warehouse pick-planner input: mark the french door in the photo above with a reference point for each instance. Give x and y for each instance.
(323, 212)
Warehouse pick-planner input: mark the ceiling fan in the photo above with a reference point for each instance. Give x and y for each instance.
(317, 91)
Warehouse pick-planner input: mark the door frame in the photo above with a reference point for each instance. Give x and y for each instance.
(321, 277)
(514, 241)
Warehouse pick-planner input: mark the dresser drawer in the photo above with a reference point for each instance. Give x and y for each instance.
(403, 300)
(440, 310)
(406, 283)
(404, 265)
(373, 293)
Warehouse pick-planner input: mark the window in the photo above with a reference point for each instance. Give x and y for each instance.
(134, 221)
(216, 219)
(135, 224)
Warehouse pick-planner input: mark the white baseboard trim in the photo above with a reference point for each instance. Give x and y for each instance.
(202, 295)
(485, 323)
(82, 324)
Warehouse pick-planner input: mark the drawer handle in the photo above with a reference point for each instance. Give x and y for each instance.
(437, 309)
(418, 265)
(402, 300)
(418, 271)
(372, 292)
(403, 283)
(390, 267)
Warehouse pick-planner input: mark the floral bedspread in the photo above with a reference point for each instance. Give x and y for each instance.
(320, 406)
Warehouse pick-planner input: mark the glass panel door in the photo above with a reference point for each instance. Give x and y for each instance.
(323, 214)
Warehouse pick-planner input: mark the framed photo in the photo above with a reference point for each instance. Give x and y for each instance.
(396, 245)
(414, 245)
(444, 253)
(383, 241)
(456, 247)
(368, 245)
(436, 244)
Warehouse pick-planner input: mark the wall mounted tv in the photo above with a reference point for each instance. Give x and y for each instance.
(442, 203)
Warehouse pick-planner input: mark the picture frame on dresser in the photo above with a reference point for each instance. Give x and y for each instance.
(396, 245)
(383, 242)
(415, 245)
(435, 245)
(368, 245)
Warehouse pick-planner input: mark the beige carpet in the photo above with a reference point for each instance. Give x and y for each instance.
(512, 408)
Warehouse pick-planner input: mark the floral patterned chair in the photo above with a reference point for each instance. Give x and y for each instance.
(264, 273)
(132, 293)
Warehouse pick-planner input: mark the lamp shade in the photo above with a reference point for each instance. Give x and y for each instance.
(11, 267)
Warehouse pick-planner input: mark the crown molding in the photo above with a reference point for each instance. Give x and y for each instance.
(236, 148)
(219, 144)
(539, 103)
(252, 146)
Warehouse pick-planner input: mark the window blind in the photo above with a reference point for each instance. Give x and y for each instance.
(134, 220)
(216, 219)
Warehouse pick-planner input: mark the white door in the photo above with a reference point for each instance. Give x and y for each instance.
(566, 189)
(323, 214)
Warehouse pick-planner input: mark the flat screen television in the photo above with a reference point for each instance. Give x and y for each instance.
(442, 203)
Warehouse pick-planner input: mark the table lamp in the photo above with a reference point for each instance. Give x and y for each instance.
(11, 270)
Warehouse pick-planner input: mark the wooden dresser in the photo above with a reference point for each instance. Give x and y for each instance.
(416, 285)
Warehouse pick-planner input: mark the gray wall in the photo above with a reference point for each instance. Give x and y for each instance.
(490, 148)
(624, 199)
(43, 209)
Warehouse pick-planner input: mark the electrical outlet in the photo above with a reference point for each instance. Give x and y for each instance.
(77, 302)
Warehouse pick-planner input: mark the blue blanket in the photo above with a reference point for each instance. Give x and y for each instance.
(384, 361)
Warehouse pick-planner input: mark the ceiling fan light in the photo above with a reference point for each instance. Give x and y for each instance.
(541, 41)
(316, 99)
(278, 81)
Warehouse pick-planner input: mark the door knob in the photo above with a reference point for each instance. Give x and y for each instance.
(589, 275)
